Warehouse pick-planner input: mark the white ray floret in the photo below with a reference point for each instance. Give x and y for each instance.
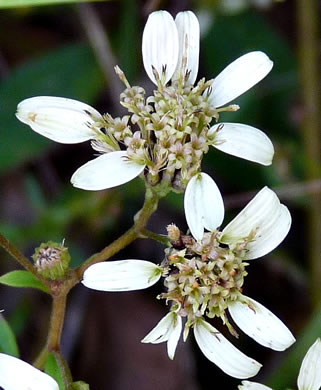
(189, 45)
(62, 120)
(261, 324)
(160, 46)
(203, 204)
(106, 171)
(122, 275)
(265, 215)
(243, 141)
(247, 385)
(223, 353)
(168, 329)
(15, 374)
(238, 77)
(310, 372)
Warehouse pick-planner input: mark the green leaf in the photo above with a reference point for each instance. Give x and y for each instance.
(28, 3)
(8, 343)
(71, 72)
(22, 278)
(52, 368)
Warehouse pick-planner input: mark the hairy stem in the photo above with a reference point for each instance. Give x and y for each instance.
(56, 322)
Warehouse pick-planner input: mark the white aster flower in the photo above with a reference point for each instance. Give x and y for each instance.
(205, 278)
(309, 376)
(170, 51)
(15, 374)
(167, 42)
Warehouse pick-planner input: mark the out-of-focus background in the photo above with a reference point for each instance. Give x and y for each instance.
(70, 50)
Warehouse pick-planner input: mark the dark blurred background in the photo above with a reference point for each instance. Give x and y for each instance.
(70, 51)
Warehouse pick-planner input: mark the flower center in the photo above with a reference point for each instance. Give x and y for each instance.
(204, 277)
(167, 132)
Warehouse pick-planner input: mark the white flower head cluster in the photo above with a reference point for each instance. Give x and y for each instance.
(204, 275)
(309, 376)
(163, 139)
(165, 135)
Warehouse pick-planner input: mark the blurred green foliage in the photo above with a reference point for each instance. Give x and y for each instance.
(8, 343)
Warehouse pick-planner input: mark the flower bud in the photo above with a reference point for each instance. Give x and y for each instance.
(52, 260)
(174, 234)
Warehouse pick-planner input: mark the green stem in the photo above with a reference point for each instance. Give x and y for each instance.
(64, 369)
(21, 259)
(145, 233)
(140, 221)
(309, 54)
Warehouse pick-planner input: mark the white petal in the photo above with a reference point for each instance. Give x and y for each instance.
(267, 216)
(239, 76)
(203, 205)
(168, 329)
(243, 141)
(59, 119)
(189, 45)
(106, 171)
(247, 385)
(223, 353)
(310, 372)
(261, 324)
(160, 45)
(15, 374)
(122, 275)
